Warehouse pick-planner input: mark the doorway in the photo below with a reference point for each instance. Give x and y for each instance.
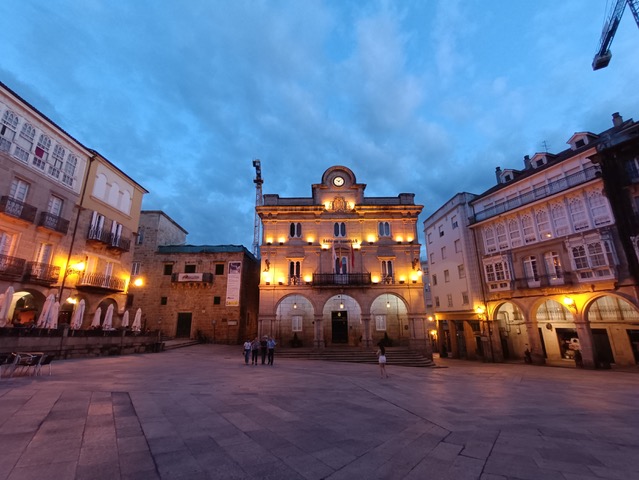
(183, 329)
(601, 344)
(339, 324)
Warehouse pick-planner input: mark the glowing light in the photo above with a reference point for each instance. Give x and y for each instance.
(370, 238)
(72, 300)
(480, 310)
(375, 279)
(569, 302)
(399, 239)
(269, 240)
(138, 282)
(310, 240)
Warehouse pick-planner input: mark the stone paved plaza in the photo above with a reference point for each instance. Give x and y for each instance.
(200, 413)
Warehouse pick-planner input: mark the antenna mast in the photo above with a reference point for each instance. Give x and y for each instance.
(258, 202)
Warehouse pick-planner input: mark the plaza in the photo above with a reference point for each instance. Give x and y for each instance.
(201, 413)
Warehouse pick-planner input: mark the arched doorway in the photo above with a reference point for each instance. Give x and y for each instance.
(342, 319)
(557, 331)
(512, 330)
(295, 321)
(389, 320)
(609, 317)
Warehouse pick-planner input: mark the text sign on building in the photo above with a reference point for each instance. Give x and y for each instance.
(189, 277)
(233, 281)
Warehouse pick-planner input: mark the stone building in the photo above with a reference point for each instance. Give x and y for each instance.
(193, 291)
(340, 268)
(67, 218)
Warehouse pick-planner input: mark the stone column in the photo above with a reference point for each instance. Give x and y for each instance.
(534, 341)
(452, 335)
(367, 341)
(318, 340)
(586, 343)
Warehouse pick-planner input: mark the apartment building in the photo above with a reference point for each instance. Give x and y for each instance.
(208, 292)
(67, 218)
(340, 268)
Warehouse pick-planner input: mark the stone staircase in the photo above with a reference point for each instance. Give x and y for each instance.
(172, 343)
(395, 355)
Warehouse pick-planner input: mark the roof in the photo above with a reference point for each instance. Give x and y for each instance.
(204, 249)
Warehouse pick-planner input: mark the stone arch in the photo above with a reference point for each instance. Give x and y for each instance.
(26, 305)
(513, 332)
(389, 317)
(295, 319)
(342, 311)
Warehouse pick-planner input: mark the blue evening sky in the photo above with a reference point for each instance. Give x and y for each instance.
(418, 96)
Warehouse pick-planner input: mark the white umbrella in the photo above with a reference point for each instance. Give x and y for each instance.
(5, 305)
(137, 321)
(96, 318)
(43, 319)
(108, 319)
(52, 318)
(125, 319)
(78, 315)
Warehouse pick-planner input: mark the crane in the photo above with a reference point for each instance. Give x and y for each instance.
(602, 57)
(258, 202)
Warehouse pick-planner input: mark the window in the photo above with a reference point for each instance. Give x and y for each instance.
(594, 259)
(6, 242)
(579, 143)
(528, 228)
(189, 268)
(437, 301)
(19, 190)
(97, 224)
(543, 224)
(168, 268)
(219, 269)
(8, 130)
(432, 258)
(458, 246)
(514, 233)
(497, 274)
(295, 230)
(552, 263)
(296, 323)
(598, 208)
(441, 230)
(217, 300)
(139, 239)
(57, 158)
(42, 152)
(434, 282)
(387, 271)
(461, 271)
(578, 214)
(55, 206)
(449, 299)
(489, 240)
(163, 300)
(465, 298)
(443, 253)
(135, 269)
(43, 256)
(294, 269)
(69, 170)
(116, 233)
(559, 220)
(453, 222)
(530, 271)
(579, 257)
(339, 229)
(446, 276)
(430, 238)
(502, 238)
(380, 323)
(384, 229)
(24, 143)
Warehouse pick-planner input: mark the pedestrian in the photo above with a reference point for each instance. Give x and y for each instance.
(264, 348)
(271, 349)
(255, 350)
(381, 358)
(247, 351)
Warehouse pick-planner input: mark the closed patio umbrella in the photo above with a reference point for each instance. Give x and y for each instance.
(125, 319)
(52, 317)
(108, 319)
(78, 315)
(5, 305)
(96, 318)
(43, 319)
(137, 321)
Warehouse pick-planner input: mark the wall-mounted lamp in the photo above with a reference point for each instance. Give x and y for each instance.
(295, 305)
(138, 282)
(570, 303)
(481, 312)
(72, 300)
(76, 268)
(387, 304)
(341, 304)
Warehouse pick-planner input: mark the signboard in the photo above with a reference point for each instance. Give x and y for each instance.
(189, 277)
(233, 281)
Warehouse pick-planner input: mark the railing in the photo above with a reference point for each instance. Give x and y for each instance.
(11, 266)
(111, 240)
(53, 222)
(540, 192)
(101, 281)
(18, 209)
(99, 235)
(542, 281)
(41, 273)
(355, 279)
(119, 243)
(205, 277)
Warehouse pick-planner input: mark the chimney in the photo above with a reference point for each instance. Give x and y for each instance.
(617, 119)
(498, 174)
(526, 162)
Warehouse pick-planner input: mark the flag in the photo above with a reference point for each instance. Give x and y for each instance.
(334, 257)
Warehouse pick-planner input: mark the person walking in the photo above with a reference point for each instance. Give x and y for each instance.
(270, 344)
(255, 350)
(381, 358)
(247, 351)
(264, 348)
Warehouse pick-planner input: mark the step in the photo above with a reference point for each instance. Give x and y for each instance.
(403, 357)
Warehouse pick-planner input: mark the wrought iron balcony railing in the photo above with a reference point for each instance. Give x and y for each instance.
(11, 267)
(542, 281)
(41, 273)
(341, 279)
(17, 209)
(53, 222)
(99, 235)
(111, 240)
(101, 281)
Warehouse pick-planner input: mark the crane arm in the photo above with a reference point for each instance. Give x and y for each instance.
(602, 57)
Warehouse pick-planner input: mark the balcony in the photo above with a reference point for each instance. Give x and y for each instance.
(544, 281)
(53, 222)
(192, 277)
(341, 279)
(98, 282)
(112, 241)
(41, 273)
(11, 267)
(14, 208)
(539, 193)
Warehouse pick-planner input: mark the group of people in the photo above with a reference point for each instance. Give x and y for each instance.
(256, 348)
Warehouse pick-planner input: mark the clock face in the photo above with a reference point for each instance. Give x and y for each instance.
(338, 181)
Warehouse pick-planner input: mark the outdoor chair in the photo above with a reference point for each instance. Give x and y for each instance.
(7, 361)
(25, 362)
(44, 361)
